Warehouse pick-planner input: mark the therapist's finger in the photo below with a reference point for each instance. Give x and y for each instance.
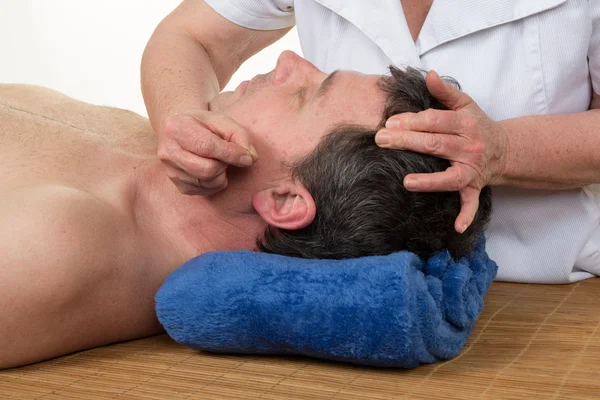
(184, 182)
(469, 197)
(225, 127)
(199, 167)
(436, 144)
(446, 92)
(205, 143)
(218, 183)
(439, 121)
(452, 179)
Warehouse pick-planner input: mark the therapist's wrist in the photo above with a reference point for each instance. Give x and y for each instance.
(516, 163)
(495, 136)
(499, 155)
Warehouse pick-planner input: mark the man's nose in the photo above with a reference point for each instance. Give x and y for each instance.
(291, 64)
(290, 57)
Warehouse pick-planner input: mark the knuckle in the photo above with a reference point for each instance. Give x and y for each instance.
(218, 122)
(163, 154)
(168, 151)
(182, 187)
(173, 177)
(208, 170)
(176, 179)
(458, 182)
(430, 118)
(469, 123)
(204, 145)
(226, 153)
(219, 179)
(170, 128)
(433, 143)
(478, 149)
(235, 136)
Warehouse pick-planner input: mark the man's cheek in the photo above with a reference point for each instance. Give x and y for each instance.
(267, 119)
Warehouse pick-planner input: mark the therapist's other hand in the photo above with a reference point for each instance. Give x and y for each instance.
(197, 146)
(464, 135)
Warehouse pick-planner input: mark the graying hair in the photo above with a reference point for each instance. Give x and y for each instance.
(362, 205)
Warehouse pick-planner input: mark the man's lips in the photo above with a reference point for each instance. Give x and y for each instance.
(258, 80)
(241, 89)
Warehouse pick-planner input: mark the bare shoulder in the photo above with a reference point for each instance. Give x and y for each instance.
(65, 275)
(48, 102)
(118, 125)
(36, 100)
(27, 93)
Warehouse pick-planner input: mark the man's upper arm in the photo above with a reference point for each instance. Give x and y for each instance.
(233, 38)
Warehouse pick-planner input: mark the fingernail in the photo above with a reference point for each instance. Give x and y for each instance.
(246, 160)
(411, 184)
(392, 123)
(253, 153)
(383, 138)
(463, 228)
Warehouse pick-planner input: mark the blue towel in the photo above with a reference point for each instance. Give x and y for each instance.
(388, 311)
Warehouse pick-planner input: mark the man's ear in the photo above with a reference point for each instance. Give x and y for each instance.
(287, 206)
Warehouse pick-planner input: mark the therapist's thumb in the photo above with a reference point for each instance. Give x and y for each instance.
(446, 92)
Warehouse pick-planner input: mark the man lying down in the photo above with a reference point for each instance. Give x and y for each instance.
(90, 224)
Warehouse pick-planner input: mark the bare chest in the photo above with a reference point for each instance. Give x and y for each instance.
(415, 12)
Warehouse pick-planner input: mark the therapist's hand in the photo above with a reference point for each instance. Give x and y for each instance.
(464, 135)
(197, 146)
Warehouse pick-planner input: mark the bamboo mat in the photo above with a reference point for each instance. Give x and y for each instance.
(532, 342)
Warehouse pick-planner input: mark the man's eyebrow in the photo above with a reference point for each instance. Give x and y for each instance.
(325, 85)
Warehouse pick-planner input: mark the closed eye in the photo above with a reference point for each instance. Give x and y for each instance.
(301, 93)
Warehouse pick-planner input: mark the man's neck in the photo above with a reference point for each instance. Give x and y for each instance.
(181, 227)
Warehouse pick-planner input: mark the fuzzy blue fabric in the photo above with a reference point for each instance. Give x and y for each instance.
(388, 311)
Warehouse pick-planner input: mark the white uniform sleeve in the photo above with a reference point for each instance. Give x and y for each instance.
(256, 14)
(594, 51)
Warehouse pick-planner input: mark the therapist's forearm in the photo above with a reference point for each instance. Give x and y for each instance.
(177, 75)
(191, 56)
(552, 151)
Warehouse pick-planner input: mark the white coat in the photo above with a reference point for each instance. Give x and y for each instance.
(514, 57)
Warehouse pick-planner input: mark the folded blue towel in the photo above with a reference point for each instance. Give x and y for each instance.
(389, 311)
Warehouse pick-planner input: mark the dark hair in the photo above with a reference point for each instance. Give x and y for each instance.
(362, 205)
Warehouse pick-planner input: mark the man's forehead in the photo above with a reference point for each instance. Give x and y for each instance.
(342, 77)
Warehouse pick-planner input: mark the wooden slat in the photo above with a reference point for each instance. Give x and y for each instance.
(532, 342)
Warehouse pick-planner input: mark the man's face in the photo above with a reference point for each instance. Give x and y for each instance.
(288, 110)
